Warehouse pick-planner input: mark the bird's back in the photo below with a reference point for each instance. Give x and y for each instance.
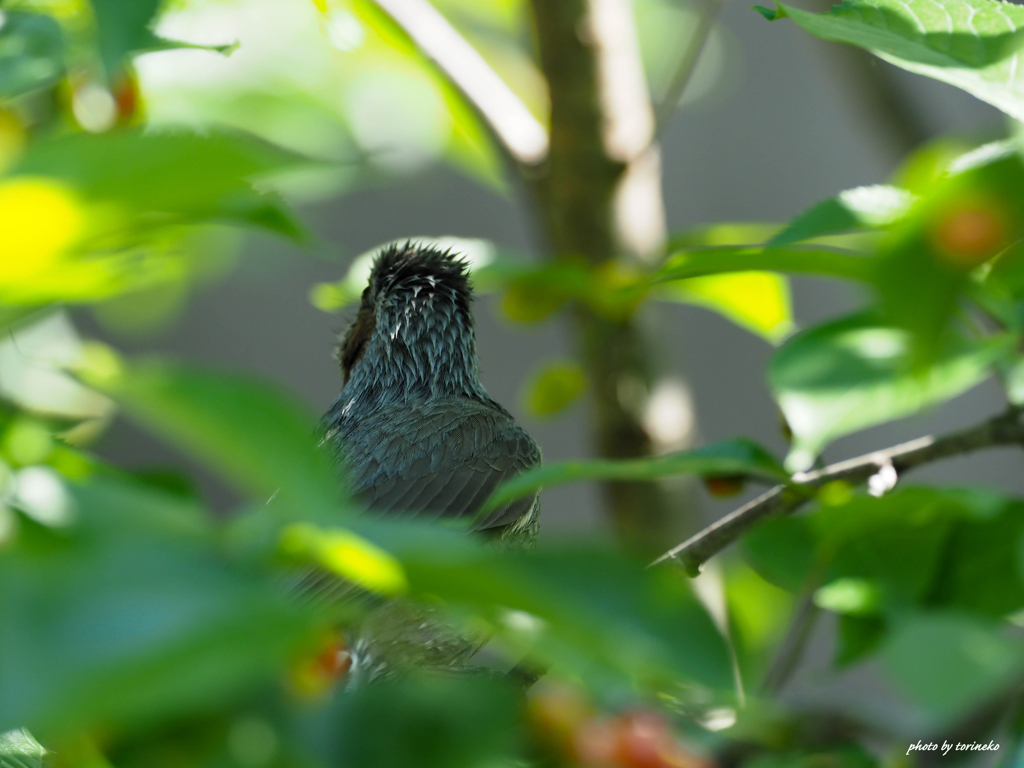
(437, 458)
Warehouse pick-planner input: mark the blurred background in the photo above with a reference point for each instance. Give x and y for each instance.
(772, 121)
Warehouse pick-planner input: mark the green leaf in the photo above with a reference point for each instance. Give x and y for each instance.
(948, 662)
(972, 44)
(757, 301)
(194, 177)
(853, 373)
(19, 750)
(554, 387)
(427, 722)
(256, 436)
(600, 615)
(861, 207)
(123, 27)
(31, 52)
(782, 551)
(954, 235)
(735, 457)
(123, 617)
(800, 261)
(858, 636)
(724, 233)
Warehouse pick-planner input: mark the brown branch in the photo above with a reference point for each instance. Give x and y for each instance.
(1006, 429)
(600, 197)
(513, 125)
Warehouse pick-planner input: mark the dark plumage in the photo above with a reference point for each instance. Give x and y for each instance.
(413, 426)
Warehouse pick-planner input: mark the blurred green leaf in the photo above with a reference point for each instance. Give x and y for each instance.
(834, 756)
(851, 596)
(757, 301)
(600, 615)
(972, 44)
(554, 387)
(190, 176)
(724, 233)
(862, 207)
(427, 722)
(858, 636)
(949, 662)
(123, 26)
(19, 750)
(31, 52)
(939, 252)
(258, 437)
(125, 616)
(759, 613)
(782, 551)
(734, 457)
(853, 373)
(805, 261)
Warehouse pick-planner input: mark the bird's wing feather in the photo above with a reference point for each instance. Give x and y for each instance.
(439, 459)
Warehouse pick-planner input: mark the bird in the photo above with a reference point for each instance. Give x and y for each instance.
(416, 434)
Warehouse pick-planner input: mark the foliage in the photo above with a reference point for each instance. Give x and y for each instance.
(139, 628)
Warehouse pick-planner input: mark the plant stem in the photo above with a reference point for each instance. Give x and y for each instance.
(1006, 429)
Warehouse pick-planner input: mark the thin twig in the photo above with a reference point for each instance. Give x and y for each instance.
(515, 127)
(1006, 429)
(792, 646)
(686, 67)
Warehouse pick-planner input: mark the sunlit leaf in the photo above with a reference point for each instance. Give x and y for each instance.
(735, 457)
(972, 44)
(200, 175)
(853, 373)
(19, 750)
(554, 387)
(862, 207)
(351, 557)
(757, 301)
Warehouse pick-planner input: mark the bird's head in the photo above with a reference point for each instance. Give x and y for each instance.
(414, 329)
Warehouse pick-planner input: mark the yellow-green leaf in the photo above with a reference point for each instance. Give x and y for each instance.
(758, 301)
(554, 387)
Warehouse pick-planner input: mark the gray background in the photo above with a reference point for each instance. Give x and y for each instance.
(784, 132)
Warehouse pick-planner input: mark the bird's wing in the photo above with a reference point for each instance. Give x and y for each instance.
(441, 459)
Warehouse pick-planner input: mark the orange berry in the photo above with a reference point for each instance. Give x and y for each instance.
(595, 744)
(969, 234)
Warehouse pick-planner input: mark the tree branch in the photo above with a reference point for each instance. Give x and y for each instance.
(600, 195)
(518, 131)
(1007, 429)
